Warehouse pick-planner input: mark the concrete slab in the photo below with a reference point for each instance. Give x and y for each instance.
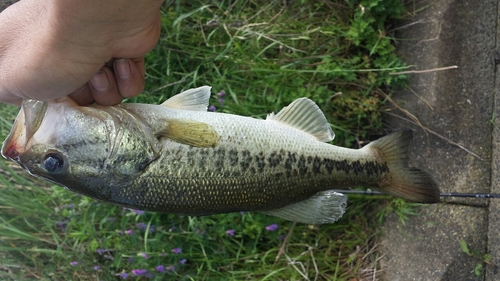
(493, 273)
(427, 247)
(457, 104)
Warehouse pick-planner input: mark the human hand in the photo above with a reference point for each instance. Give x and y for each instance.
(92, 50)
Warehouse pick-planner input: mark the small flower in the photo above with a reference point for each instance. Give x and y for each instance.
(143, 226)
(183, 261)
(139, 272)
(102, 251)
(176, 250)
(131, 260)
(212, 108)
(220, 100)
(171, 268)
(160, 268)
(70, 206)
(124, 275)
(62, 224)
(130, 232)
(73, 263)
(138, 212)
(144, 255)
(221, 94)
(96, 267)
(230, 232)
(281, 237)
(272, 227)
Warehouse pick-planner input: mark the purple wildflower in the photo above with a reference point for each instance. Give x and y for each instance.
(62, 224)
(96, 267)
(124, 275)
(160, 268)
(230, 232)
(176, 250)
(144, 255)
(220, 100)
(183, 261)
(73, 263)
(130, 232)
(171, 268)
(102, 251)
(272, 227)
(221, 94)
(212, 108)
(131, 260)
(139, 272)
(143, 226)
(70, 206)
(138, 212)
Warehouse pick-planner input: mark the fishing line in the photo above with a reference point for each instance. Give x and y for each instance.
(459, 195)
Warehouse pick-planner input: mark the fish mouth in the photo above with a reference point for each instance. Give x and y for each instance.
(27, 122)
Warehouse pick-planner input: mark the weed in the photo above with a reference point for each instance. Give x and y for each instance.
(482, 259)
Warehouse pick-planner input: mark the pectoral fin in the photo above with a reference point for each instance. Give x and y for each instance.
(323, 207)
(192, 133)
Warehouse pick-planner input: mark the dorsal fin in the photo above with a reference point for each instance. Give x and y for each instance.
(305, 115)
(193, 99)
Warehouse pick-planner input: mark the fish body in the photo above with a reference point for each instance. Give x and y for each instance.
(179, 158)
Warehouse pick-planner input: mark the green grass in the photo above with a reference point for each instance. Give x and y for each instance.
(263, 55)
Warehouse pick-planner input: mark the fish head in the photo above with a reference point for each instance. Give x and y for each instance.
(86, 149)
(45, 140)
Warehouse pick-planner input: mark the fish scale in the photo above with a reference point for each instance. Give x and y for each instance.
(178, 158)
(234, 172)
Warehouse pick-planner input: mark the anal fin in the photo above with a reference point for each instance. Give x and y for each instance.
(322, 208)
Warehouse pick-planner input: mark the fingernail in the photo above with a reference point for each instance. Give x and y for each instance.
(100, 81)
(122, 68)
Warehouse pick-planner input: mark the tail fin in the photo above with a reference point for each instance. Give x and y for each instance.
(406, 182)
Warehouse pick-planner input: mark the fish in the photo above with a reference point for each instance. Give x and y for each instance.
(179, 158)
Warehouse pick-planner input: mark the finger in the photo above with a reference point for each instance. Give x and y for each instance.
(129, 75)
(103, 88)
(83, 95)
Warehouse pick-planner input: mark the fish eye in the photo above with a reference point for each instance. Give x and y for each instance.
(53, 162)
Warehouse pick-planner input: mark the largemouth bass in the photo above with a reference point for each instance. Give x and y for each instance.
(178, 158)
